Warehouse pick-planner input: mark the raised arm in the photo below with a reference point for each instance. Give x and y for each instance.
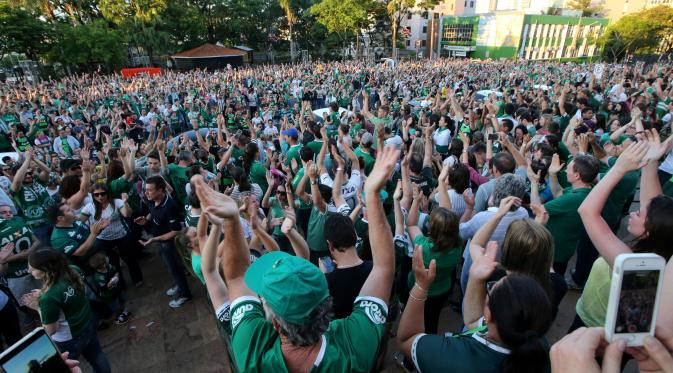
(259, 229)
(21, 172)
(298, 243)
(217, 289)
(483, 234)
(380, 279)
(427, 149)
(443, 188)
(555, 167)
(318, 202)
(606, 242)
(235, 257)
(337, 195)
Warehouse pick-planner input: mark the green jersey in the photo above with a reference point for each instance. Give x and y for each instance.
(350, 345)
(33, 199)
(68, 239)
(177, 176)
(63, 297)
(191, 220)
(293, 152)
(564, 222)
(295, 183)
(101, 281)
(257, 175)
(17, 232)
(446, 261)
(369, 160)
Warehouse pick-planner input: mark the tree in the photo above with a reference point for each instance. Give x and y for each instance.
(86, 47)
(586, 6)
(638, 33)
(73, 11)
(342, 17)
(144, 11)
(22, 32)
(291, 17)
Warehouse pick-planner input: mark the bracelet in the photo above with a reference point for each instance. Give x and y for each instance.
(419, 286)
(339, 169)
(418, 299)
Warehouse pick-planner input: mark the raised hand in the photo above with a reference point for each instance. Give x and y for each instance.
(215, 203)
(398, 191)
(484, 265)
(386, 159)
(556, 165)
(633, 157)
(424, 276)
(506, 205)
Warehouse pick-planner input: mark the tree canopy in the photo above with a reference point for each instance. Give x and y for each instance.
(644, 32)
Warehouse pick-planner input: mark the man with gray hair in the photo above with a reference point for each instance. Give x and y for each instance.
(504, 186)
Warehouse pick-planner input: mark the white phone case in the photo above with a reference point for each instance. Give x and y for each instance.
(632, 262)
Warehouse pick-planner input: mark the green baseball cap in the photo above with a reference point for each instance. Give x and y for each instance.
(290, 285)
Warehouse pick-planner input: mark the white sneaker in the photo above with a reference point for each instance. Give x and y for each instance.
(178, 302)
(172, 291)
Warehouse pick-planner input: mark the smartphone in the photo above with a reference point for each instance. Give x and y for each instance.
(493, 137)
(634, 297)
(328, 263)
(33, 353)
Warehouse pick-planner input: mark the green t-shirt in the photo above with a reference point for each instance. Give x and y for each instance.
(351, 344)
(68, 239)
(22, 143)
(612, 210)
(463, 353)
(33, 200)
(190, 219)
(16, 231)
(63, 297)
(316, 228)
(258, 175)
(593, 304)
(293, 152)
(315, 145)
(446, 261)
(237, 156)
(177, 176)
(564, 222)
(101, 281)
(369, 160)
(295, 183)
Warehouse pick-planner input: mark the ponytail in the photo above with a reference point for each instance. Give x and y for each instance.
(251, 151)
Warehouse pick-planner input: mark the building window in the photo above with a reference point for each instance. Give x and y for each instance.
(409, 15)
(423, 43)
(465, 5)
(408, 43)
(425, 29)
(458, 33)
(425, 15)
(471, 4)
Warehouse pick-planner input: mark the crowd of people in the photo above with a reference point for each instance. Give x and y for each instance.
(331, 207)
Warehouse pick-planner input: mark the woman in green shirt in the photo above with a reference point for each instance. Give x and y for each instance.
(64, 308)
(507, 321)
(253, 167)
(442, 245)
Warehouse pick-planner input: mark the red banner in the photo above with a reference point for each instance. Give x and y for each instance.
(127, 73)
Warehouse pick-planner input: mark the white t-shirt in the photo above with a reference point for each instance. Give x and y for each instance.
(116, 229)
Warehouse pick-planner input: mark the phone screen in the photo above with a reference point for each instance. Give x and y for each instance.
(636, 301)
(35, 354)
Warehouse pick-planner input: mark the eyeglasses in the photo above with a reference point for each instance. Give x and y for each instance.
(280, 192)
(100, 194)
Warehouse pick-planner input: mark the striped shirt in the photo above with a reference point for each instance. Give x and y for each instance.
(116, 229)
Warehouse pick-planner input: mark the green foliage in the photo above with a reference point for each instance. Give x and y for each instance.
(85, 47)
(22, 32)
(342, 17)
(638, 33)
(119, 11)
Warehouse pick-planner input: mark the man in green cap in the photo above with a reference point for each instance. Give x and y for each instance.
(286, 327)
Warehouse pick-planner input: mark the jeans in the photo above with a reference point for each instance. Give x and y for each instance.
(87, 345)
(169, 254)
(125, 251)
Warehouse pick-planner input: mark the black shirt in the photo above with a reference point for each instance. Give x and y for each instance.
(424, 180)
(166, 217)
(344, 286)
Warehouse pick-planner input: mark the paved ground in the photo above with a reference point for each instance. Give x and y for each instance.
(161, 339)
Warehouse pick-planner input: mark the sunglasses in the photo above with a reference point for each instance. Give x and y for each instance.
(75, 168)
(99, 194)
(280, 191)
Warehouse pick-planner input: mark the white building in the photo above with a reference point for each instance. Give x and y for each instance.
(420, 24)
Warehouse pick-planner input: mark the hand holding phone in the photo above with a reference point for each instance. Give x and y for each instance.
(35, 352)
(634, 297)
